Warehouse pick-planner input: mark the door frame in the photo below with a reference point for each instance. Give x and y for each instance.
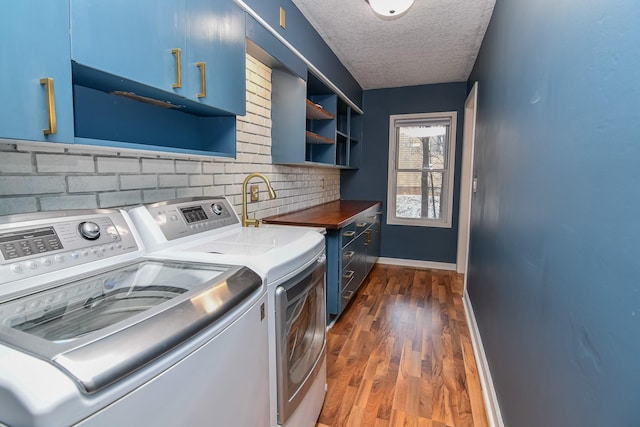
(466, 181)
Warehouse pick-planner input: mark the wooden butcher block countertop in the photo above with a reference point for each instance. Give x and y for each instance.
(332, 215)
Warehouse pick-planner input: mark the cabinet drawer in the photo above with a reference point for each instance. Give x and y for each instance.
(348, 254)
(348, 292)
(368, 218)
(348, 233)
(346, 278)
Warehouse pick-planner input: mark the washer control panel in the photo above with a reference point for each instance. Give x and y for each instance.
(33, 244)
(184, 217)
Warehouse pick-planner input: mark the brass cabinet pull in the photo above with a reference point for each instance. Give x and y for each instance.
(349, 254)
(379, 213)
(368, 233)
(347, 295)
(349, 233)
(361, 224)
(177, 52)
(348, 275)
(203, 79)
(51, 106)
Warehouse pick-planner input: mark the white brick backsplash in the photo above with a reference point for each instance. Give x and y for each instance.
(157, 166)
(188, 166)
(213, 191)
(128, 182)
(45, 176)
(31, 184)
(119, 198)
(55, 203)
(64, 163)
(92, 183)
(150, 196)
(15, 163)
(214, 168)
(118, 164)
(200, 180)
(223, 179)
(173, 180)
(40, 147)
(13, 205)
(189, 192)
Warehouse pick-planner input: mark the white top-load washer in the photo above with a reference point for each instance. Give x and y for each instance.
(95, 333)
(290, 260)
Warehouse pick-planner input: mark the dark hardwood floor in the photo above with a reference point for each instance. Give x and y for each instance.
(401, 355)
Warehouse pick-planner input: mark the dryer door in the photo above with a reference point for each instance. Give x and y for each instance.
(300, 335)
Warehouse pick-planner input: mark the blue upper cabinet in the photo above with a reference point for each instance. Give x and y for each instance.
(216, 38)
(188, 49)
(131, 39)
(34, 53)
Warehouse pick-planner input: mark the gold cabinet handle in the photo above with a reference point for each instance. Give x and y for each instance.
(51, 106)
(347, 295)
(348, 275)
(368, 237)
(177, 52)
(349, 254)
(349, 233)
(203, 79)
(361, 224)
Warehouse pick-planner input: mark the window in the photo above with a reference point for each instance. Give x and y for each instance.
(421, 162)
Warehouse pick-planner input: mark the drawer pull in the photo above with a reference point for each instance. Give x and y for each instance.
(349, 233)
(178, 54)
(348, 275)
(349, 254)
(203, 79)
(348, 295)
(361, 224)
(51, 106)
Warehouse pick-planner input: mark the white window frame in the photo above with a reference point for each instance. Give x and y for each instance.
(391, 182)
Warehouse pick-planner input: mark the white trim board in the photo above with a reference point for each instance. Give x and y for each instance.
(417, 263)
(466, 179)
(494, 415)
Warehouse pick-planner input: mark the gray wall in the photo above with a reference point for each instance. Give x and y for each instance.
(554, 273)
(369, 182)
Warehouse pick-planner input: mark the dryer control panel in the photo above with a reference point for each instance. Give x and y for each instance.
(37, 243)
(185, 217)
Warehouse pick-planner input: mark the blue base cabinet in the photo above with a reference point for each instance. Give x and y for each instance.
(34, 40)
(351, 253)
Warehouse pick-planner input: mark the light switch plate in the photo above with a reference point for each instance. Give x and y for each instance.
(255, 193)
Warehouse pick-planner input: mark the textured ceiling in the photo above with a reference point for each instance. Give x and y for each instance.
(437, 41)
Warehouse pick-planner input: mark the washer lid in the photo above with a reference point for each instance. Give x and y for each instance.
(101, 328)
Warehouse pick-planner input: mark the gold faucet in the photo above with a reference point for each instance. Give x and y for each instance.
(272, 195)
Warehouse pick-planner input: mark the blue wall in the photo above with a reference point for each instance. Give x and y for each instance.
(554, 270)
(369, 182)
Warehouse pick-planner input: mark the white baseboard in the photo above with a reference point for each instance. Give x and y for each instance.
(489, 392)
(417, 263)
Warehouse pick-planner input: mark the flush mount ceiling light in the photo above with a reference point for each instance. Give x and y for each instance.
(390, 9)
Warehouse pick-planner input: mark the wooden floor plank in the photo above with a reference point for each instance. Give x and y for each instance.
(401, 355)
